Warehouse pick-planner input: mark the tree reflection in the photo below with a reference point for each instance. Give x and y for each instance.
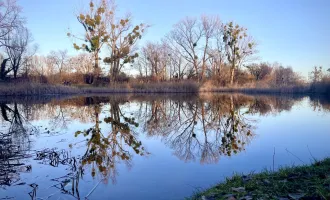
(14, 145)
(202, 129)
(68, 184)
(104, 151)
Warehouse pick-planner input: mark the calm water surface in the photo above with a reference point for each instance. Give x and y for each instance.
(151, 147)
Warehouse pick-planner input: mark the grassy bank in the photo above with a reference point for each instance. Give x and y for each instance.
(303, 182)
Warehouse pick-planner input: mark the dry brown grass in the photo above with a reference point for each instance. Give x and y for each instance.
(166, 87)
(30, 89)
(285, 90)
(34, 89)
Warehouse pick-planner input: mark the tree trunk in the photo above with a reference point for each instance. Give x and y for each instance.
(3, 72)
(15, 70)
(96, 69)
(232, 74)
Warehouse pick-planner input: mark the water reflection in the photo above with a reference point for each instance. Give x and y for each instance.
(197, 129)
(67, 184)
(200, 130)
(104, 150)
(14, 144)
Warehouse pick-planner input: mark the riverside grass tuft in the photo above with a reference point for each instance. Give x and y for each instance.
(298, 182)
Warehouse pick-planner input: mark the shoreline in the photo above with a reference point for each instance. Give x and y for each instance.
(32, 89)
(297, 182)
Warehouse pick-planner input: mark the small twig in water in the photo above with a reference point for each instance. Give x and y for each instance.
(295, 156)
(93, 189)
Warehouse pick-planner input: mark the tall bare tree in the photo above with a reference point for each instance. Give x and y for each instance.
(217, 52)
(156, 58)
(209, 25)
(10, 19)
(187, 35)
(16, 47)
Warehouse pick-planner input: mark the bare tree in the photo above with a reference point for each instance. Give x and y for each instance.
(28, 59)
(82, 63)
(37, 66)
(217, 52)
(259, 71)
(59, 59)
(156, 57)
(192, 38)
(284, 76)
(16, 46)
(210, 26)
(187, 35)
(9, 19)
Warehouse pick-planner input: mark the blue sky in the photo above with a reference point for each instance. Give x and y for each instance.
(292, 32)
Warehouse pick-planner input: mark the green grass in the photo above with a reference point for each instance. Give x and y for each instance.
(303, 182)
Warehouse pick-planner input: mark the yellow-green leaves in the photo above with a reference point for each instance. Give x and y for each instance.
(97, 19)
(82, 17)
(76, 46)
(100, 10)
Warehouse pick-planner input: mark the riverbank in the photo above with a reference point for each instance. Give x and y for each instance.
(35, 89)
(310, 182)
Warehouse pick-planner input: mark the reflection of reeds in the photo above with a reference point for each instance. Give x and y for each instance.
(11, 156)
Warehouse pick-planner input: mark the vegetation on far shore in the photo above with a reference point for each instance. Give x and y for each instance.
(301, 182)
(197, 54)
(28, 88)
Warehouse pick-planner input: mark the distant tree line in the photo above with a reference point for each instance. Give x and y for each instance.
(203, 49)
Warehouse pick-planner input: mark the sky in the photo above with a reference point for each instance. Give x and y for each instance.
(292, 32)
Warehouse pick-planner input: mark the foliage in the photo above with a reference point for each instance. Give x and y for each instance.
(102, 28)
(239, 46)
